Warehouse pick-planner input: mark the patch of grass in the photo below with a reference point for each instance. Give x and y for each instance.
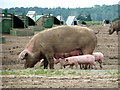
(61, 67)
(23, 74)
(9, 73)
(38, 72)
(26, 72)
(72, 73)
(9, 69)
(72, 67)
(59, 73)
(109, 72)
(93, 22)
(116, 73)
(52, 70)
(31, 72)
(112, 73)
(4, 73)
(79, 73)
(43, 71)
(49, 74)
(14, 73)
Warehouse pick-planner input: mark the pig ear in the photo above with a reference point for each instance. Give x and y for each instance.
(23, 55)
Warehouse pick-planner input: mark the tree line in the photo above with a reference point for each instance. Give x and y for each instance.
(96, 13)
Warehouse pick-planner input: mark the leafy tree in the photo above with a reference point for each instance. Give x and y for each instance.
(96, 13)
(118, 18)
(81, 17)
(88, 18)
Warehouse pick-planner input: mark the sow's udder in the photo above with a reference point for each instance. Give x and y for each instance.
(65, 55)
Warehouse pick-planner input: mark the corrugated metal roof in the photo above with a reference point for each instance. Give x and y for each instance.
(31, 14)
(37, 17)
(60, 18)
(70, 20)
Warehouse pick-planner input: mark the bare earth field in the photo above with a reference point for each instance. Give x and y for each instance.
(107, 44)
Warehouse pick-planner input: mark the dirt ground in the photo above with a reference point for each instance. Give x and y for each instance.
(107, 44)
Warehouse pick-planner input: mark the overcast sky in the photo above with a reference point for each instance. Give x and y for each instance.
(55, 3)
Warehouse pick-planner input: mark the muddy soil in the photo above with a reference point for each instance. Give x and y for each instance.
(107, 44)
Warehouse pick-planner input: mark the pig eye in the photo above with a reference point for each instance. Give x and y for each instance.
(66, 59)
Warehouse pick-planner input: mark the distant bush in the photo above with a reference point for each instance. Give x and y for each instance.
(93, 22)
(118, 18)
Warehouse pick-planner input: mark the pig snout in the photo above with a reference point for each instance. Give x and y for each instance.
(99, 58)
(63, 62)
(22, 55)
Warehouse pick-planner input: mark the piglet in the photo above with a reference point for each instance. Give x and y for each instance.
(98, 57)
(81, 60)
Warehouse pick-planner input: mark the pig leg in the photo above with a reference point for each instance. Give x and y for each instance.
(80, 66)
(101, 66)
(76, 65)
(45, 63)
(91, 66)
(51, 62)
(117, 32)
(86, 66)
(56, 61)
(50, 58)
(100, 62)
(71, 66)
(94, 64)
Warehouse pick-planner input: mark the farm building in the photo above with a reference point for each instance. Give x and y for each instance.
(106, 22)
(43, 20)
(8, 22)
(62, 21)
(56, 21)
(27, 20)
(5, 22)
(31, 14)
(71, 20)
